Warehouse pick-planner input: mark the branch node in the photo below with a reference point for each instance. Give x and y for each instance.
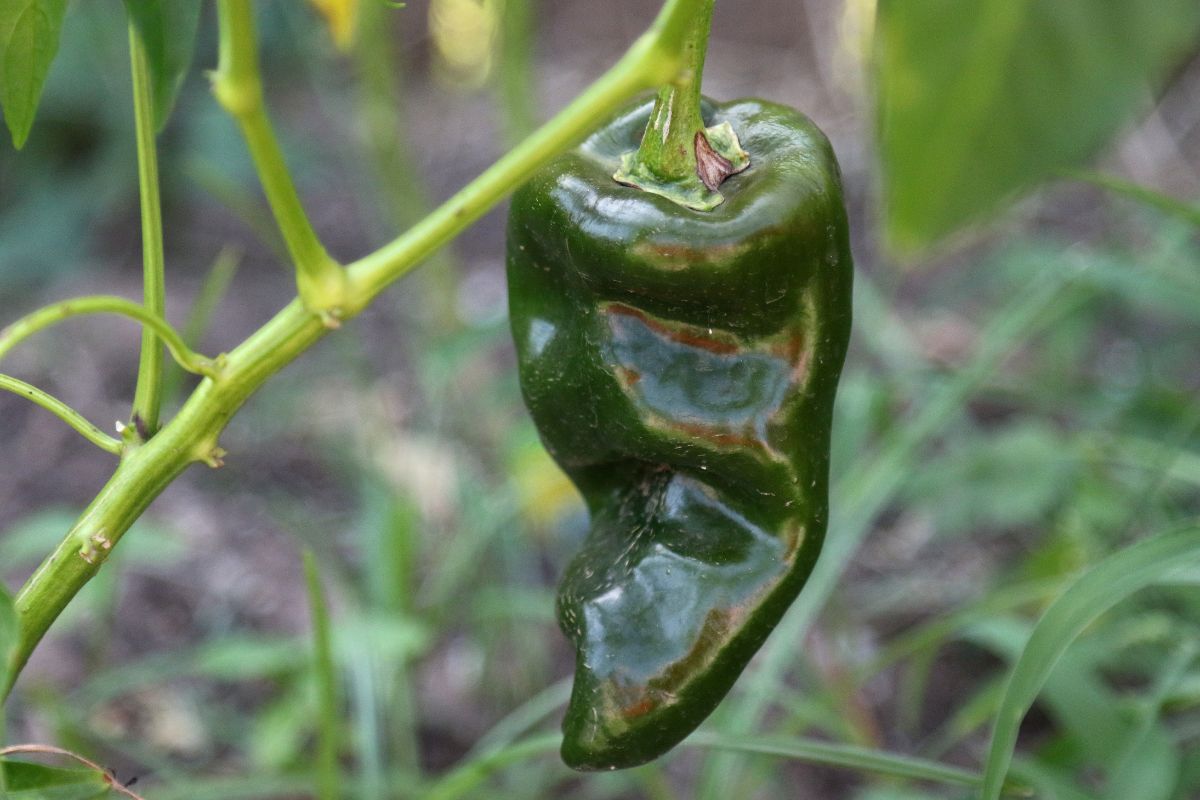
(212, 367)
(95, 549)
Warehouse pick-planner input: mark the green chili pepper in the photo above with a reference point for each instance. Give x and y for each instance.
(681, 366)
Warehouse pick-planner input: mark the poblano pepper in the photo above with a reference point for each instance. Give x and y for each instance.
(680, 366)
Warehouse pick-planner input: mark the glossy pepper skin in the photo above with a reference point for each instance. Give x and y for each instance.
(681, 367)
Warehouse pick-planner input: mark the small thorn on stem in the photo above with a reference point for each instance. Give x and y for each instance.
(331, 318)
(215, 458)
(95, 549)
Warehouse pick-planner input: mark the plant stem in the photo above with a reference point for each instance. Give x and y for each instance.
(192, 434)
(679, 158)
(147, 397)
(668, 147)
(63, 412)
(237, 86)
(55, 313)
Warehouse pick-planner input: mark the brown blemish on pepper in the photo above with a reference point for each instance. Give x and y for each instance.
(713, 636)
(674, 334)
(627, 377)
(640, 708)
(682, 256)
(717, 436)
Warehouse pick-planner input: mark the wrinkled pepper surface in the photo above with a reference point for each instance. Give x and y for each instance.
(681, 367)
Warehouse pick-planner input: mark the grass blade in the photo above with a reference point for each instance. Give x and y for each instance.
(1147, 197)
(328, 777)
(840, 755)
(1098, 590)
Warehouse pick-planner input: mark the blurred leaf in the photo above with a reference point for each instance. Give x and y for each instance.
(390, 637)
(1098, 590)
(1149, 771)
(281, 729)
(242, 658)
(979, 99)
(1006, 480)
(544, 491)
(1051, 782)
(973, 713)
(891, 793)
(1151, 765)
(389, 531)
(28, 781)
(168, 32)
(342, 18)
(29, 32)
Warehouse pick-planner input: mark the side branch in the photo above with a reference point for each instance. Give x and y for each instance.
(237, 85)
(147, 396)
(55, 313)
(63, 411)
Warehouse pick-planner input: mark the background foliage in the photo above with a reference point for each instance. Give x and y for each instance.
(1013, 412)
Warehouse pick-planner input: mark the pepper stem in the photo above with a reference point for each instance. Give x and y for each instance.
(679, 158)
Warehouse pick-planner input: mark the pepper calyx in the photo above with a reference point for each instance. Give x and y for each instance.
(718, 154)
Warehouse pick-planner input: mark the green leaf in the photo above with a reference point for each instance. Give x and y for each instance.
(28, 42)
(979, 99)
(1112, 580)
(168, 32)
(27, 781)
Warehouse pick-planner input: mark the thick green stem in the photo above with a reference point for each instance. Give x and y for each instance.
(193, 433)
(63, 411)
(320, 280)
(147, 397)
(668, 148)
